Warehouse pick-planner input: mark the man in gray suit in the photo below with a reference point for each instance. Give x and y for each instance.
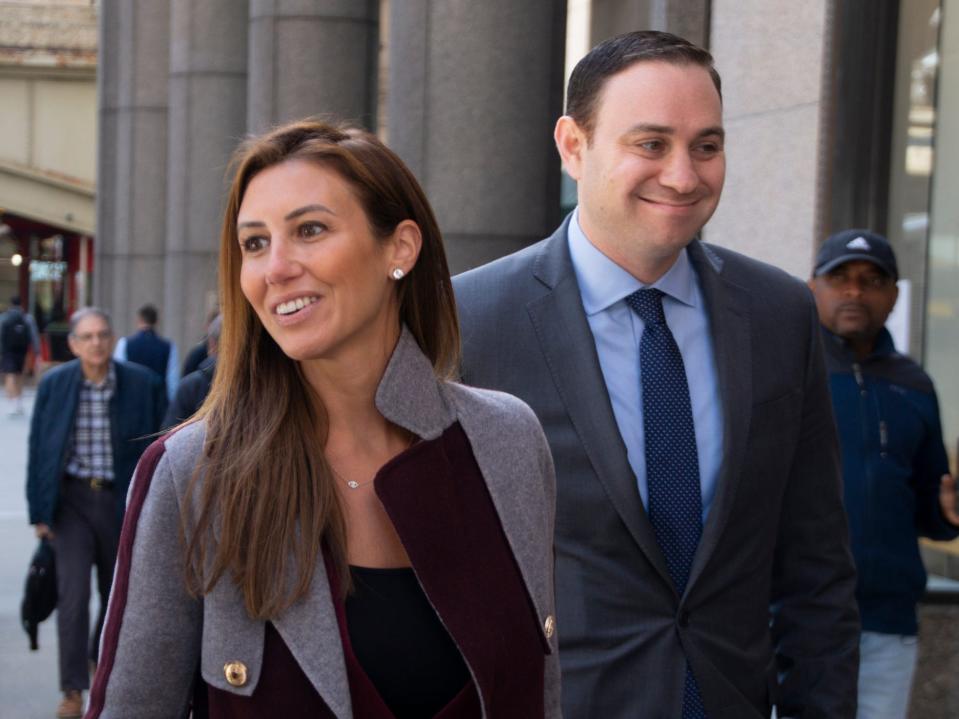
(702, 554)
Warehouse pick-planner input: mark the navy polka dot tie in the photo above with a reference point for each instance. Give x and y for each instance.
(672, 464)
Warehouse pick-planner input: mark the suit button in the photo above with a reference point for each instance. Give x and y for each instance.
(235, 673)
(684, 619)
(549, 626)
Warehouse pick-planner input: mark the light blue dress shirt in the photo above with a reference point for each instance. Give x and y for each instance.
(603, 286)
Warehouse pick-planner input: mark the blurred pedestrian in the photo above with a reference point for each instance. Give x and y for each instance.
(194, 387)
(146, 347)
(18, 335)
(198, 352)
(92, 419)
(895, 469)
(342, 531)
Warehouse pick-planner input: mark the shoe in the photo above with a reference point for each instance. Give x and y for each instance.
(71, 706)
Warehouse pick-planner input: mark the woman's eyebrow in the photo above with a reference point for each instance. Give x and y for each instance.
(308, 208)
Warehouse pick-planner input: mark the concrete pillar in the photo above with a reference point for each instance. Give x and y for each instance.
(775, 119)
(474, 91)
(208, 54)
(686, 18)
(312, 57)
(131, 156)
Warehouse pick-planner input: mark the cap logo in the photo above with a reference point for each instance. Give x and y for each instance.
(858, 244)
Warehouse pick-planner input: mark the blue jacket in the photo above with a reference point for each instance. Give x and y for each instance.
(893, 459)
(136, 409)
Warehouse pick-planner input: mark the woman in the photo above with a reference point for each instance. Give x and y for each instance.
(341, 531)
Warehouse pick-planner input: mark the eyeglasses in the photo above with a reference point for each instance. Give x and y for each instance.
(864, 283)
(90, 336)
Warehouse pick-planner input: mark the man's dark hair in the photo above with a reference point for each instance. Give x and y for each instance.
(620, 52)
(148, 313)
(15, 300)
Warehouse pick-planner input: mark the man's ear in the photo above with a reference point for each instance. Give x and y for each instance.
(571, 142)
(405, 245)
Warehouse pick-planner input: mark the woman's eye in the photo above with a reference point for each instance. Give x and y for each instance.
(312, 229)
(253, 244)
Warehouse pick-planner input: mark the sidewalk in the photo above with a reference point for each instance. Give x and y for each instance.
(28, 680)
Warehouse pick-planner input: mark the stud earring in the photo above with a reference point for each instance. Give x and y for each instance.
(397, 273)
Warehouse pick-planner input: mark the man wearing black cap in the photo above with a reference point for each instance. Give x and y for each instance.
(895, 469)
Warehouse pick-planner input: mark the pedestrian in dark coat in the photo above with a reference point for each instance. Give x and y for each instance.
(194, 387)
(895, 470)
(92, 419)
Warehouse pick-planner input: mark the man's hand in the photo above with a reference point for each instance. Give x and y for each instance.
(947, 499)
(43, 531)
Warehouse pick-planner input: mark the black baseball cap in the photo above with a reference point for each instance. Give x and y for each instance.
(850, 245)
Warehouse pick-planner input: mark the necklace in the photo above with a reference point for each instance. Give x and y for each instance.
(352, 483)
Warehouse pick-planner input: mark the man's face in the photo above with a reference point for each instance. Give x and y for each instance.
(651, 174)
(854, 299)
(92, 342)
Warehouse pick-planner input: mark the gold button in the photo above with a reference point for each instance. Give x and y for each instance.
(549, 626)
(235, 673)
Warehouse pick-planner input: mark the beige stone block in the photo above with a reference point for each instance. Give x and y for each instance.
(67, 148)
(770, 54)
(768, 208)
(15, 125)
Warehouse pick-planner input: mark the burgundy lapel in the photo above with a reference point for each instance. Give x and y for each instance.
(437, 499)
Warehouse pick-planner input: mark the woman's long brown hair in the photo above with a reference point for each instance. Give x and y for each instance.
(263, 502)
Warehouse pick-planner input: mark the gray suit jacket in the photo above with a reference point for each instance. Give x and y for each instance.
(156, 633)
(772, 579)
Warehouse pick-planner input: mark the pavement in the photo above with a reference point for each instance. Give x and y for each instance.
(28, 680)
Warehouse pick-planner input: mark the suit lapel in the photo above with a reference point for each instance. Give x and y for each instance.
(567, 343)
(311, 632)
(728, 308)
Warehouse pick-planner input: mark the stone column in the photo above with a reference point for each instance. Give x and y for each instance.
(474, 91)
(312, 57)
(773, 60)
(208, 54)
(131, 157)
(686, 18)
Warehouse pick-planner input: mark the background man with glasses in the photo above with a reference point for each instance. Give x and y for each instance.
(92, 419)
(895, 469)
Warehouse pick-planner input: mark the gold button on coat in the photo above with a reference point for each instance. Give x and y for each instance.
(549, 626)
(235, 673)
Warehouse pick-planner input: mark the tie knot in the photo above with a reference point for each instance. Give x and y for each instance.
(648, 304)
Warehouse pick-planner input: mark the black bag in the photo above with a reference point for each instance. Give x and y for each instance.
(39, 591)
(15, 333)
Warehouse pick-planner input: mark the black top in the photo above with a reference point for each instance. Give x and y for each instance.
(401, 644)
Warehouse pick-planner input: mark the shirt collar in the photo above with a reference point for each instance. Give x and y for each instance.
(603, 283)
(108, 384)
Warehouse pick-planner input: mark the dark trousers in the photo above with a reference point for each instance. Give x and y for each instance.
(86, 533)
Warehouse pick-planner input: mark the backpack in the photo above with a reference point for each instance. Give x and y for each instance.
(15, 333)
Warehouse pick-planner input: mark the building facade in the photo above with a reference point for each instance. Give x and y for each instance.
(48, 57)
(838, 114)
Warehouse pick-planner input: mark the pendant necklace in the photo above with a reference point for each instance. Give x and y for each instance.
(352, 483)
